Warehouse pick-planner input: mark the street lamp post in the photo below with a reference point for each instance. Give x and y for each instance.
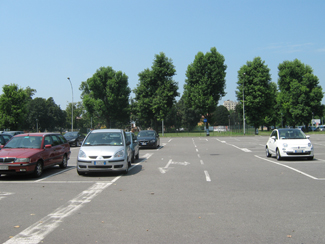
(244, 103)
(72, 105)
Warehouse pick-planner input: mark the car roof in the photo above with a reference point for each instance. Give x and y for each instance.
(106, 130)
(37, 134)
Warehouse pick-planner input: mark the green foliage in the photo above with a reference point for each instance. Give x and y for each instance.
(155, 94)
(300, 93)
(254, 82)
(13, 107)
(221, 116)
(106, 96)
(205, 83)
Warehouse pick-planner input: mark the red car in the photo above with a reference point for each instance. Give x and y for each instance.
(31, 153)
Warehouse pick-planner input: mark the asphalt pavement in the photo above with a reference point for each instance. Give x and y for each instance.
(190, 190)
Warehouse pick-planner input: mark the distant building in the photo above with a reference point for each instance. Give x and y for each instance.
(230, 105)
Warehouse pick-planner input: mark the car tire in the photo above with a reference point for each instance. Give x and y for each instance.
(132, 158)
(278, 156)
(311, 158)
(38, 170)
(64, 163)
(268, 154)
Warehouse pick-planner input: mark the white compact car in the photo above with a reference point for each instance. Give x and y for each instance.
(289, 143)
(104, 150)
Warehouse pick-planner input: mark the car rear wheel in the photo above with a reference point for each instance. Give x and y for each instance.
(38, 170)
(268, 154)
(64, 163)
(278, 156)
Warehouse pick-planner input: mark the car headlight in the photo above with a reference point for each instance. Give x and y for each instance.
(285, 145)
(153, 141)
(119, 154)
(22, 160)
(82, 154)
(309, 144)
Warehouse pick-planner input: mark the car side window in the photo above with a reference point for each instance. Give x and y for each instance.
(47, 140)
(2, 141)
(56, 140)
(63, 139)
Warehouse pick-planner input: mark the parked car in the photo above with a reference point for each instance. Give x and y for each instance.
(104, 150)
(74, 138)
(134, 145)
(321, 128)
(148, 138)
(33, 152)
(13, 133)
(289, 143)
(4, 138)
(313, 128)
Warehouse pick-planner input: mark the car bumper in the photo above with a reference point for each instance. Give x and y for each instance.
(101, 166)
(297, 153)
(17, 169)
(147, 144)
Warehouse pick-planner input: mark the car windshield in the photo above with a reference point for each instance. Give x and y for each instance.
(291, 134)
(146, 134)
(104, 139)
(25, 142)
(71, 134)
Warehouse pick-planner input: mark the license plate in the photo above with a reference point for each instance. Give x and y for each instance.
(3, 167)
(143, 143)
(299, 151)
(99, 162)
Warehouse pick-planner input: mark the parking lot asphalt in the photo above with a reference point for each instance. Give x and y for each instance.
(190, 190)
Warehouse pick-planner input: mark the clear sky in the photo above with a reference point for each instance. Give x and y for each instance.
(42, 42)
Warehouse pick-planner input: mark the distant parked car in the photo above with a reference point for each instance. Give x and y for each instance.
(289, 143)
(148, 138)
(13, 133)
(104, 150)
(313, 128)
(33, 152)
(74, 138)
(321, 128)
(4, 138)
(134, 145)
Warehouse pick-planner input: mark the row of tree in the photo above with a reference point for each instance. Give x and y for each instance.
(106, 98)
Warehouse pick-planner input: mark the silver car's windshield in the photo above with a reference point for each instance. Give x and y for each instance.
(25, 142)
(104, 139)
(291, 134)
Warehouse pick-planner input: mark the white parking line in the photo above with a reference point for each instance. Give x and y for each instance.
(38, 231)
(207, 177)
(300, 172)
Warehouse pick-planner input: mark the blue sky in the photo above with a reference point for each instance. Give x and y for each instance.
(43, 42)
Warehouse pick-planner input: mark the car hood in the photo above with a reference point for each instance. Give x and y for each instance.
(146, 138)
(296, 142)
(18, 153)
(70, 137)
(101, 150)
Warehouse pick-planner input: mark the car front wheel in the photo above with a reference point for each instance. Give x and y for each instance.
(38, 170)
(64, 163)
(268, 154)
(278, 156)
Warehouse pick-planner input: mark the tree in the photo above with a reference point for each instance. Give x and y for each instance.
(106, 95)
(155, 94)
(13, 107)
(205, 83)
(300, 93)
(254, 80)
(220, 116)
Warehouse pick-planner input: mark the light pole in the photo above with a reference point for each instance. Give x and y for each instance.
(244, 103)
(71, 106)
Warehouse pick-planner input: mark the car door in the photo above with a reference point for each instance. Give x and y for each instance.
(57, 149)
(272, 141)
(48, 153)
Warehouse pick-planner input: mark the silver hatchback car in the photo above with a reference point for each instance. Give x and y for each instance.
(104, 150)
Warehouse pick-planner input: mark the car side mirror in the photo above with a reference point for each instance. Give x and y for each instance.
(48, 146)
(307, 137)
(273, 137)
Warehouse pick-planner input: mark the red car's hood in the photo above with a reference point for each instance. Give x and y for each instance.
(18, 152)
